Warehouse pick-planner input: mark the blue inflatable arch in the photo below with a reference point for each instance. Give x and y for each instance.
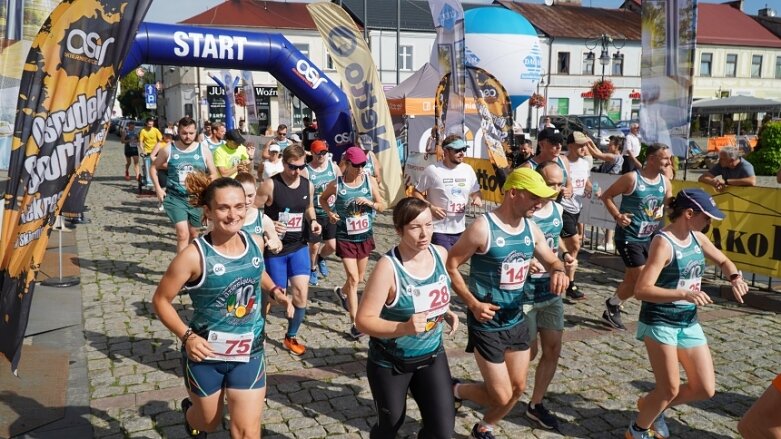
(179, 45)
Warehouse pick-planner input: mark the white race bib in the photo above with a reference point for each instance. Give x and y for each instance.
(688, 285)
(433, 299)
(357, 224)
(513, 275)
(230, 347)
(647, 228)
(183, 171)
(456, 207)
(294, 222)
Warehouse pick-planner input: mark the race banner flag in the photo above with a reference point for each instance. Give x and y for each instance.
(65, 102)
(353, 61)
(669, 37)
(285, 104)
(441, 102)
(494, 108)
(250, 102)
(448, 56)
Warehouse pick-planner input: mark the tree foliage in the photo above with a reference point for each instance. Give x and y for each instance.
(767, 157)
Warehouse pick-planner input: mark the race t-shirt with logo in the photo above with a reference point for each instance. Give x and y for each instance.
(548, 219)
(646, 204)
(498, 276)
(429, 294)
(288, 207)
(180, 164)
(684, 272)
(355, 220)
(213, 145)
(320, 179)
(449, 189)
(227, 300)
(253, 224)
(580, 171)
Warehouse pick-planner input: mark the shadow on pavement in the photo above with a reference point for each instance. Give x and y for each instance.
(160, 354)
(127, 269)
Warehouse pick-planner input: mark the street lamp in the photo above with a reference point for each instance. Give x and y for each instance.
(604, 41)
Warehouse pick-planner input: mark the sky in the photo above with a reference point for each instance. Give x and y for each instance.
(167, 11)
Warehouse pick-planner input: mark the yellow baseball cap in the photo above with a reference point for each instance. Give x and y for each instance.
(530, 180)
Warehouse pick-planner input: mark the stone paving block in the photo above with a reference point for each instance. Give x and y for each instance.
(137, 424)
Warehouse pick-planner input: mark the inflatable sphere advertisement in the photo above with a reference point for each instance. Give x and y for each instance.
(518, 64)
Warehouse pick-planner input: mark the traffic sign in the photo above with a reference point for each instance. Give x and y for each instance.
(150, 95)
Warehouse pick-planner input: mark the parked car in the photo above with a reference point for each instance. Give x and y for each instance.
(588, 124)
(114, 124)
(123, 124)
(623, 125)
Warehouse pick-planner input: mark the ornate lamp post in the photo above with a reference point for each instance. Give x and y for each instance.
(605, 42)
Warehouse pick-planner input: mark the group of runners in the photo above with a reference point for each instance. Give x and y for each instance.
(513, 293)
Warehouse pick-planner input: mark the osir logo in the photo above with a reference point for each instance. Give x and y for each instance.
(342, 138)
(87, 47)
(308, 73)
(218, 269)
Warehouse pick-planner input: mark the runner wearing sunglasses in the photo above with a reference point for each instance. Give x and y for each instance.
(321, 171)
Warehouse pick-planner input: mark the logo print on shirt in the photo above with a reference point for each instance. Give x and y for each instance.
(527, 240)
(218, 269)
(500, 242)
(256, 260)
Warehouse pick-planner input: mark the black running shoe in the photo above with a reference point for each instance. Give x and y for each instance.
(542, 416)
(186, 404)
(477, 434)
(574, 293)
(612, 316)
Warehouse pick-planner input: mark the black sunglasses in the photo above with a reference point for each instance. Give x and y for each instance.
(293, 167)
(358, 165)
(322, 152)
(457, 150)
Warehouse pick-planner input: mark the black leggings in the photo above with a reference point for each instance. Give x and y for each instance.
(432, 389)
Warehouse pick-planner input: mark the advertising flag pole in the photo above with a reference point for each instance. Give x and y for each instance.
(60, 281)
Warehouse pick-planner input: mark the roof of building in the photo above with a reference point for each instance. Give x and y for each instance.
(415, 14)
(257, 14)
(743, 30)
(570, 21)
(773, 24)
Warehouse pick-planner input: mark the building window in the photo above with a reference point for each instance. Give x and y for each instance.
(405, 58)
(588, 63)
(618, 65)
(706, 62)
(756, 66)
(778, 67)
(563, 63)
(558, 106)
(732, 65)
(589, 106)
(303, 48)
(329, 62)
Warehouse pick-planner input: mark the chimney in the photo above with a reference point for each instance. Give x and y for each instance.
(737, 4)
(767, 12)
(567, 2)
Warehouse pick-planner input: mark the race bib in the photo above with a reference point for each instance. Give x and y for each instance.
(455, 208)
(688, 285)
(580, 183)
(230, 347)
(544, 273)
(357, 224)
(514, 275)
(432, 299)
(294, 222)
(182, 172)
(647, 228)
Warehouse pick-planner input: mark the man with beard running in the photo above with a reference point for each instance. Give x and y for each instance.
(644, 192)
(178, 160)
(501, 245)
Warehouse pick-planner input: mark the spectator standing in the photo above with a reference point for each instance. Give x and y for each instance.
(733, 170)
(280, 139)
(273, 165)
(308, 134)
(632, 147)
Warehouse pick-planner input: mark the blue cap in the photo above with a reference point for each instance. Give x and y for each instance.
(700, 201)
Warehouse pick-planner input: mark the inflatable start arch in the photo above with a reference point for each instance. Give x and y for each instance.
(180, 45)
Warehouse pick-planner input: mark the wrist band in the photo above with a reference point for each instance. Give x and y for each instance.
(273, 291)
(735, 276)
(187, 334)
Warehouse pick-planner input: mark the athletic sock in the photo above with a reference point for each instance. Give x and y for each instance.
(636, 428)
(484, 426)
(615, 301)
(295, 323)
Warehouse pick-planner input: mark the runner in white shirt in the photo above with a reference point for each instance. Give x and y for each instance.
(571, 233)
(448, 186)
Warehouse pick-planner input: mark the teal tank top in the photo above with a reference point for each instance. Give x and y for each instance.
(429, 294)
(227, 297)
(255, 227)
(559, 162)
(537, 289)
(646, 204)
(213, 146)
(180, 164)
(684, 272)
(320, 180)
(498, 276)
(355, 221)
(368, 169)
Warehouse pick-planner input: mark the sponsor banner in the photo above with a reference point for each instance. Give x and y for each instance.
(353, 61)
(669, 33)
(486, 177)
(66, 96)
(448, 56)
(493, 104)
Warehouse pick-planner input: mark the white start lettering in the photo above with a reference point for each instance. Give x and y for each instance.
(211, 46)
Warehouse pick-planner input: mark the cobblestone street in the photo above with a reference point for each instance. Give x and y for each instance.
(133, 361)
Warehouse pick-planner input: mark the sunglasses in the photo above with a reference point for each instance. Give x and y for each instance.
(293, 167)
(456, 151)
(322, 153)
(358, 165)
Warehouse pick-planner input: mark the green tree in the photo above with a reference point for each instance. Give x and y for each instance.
(767, 157)
(131, 97)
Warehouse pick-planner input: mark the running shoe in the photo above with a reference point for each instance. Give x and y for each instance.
(542, 416)
(313, 278)
(292, 344)
(321, 265)
(186, 404)
(612, 316)
(127, 176)
(160, 207)
(660, 428)
(342, 298)
(631, 433)
(477, 434)
(574, 293)
(355, 333)
(458, 401)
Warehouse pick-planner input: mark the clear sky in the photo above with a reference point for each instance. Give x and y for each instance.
(167, 11)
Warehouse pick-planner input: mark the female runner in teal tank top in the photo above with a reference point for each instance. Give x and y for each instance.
(670, 288)
(222, 344)
(404, 308)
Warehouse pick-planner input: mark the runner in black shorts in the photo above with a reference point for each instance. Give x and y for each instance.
(130, 140)
(321, 171)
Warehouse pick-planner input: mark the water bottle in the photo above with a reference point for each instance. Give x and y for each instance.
(594, 189)
(284, 217)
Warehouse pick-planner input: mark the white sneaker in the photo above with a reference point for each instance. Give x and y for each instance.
(610, 247)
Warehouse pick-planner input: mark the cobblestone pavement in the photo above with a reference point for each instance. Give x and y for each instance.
(135, 381)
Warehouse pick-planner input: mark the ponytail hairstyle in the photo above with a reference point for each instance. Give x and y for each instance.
(245, 177)
(675, 210)
(200, 185)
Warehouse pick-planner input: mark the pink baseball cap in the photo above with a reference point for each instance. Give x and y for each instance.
(355, 155)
